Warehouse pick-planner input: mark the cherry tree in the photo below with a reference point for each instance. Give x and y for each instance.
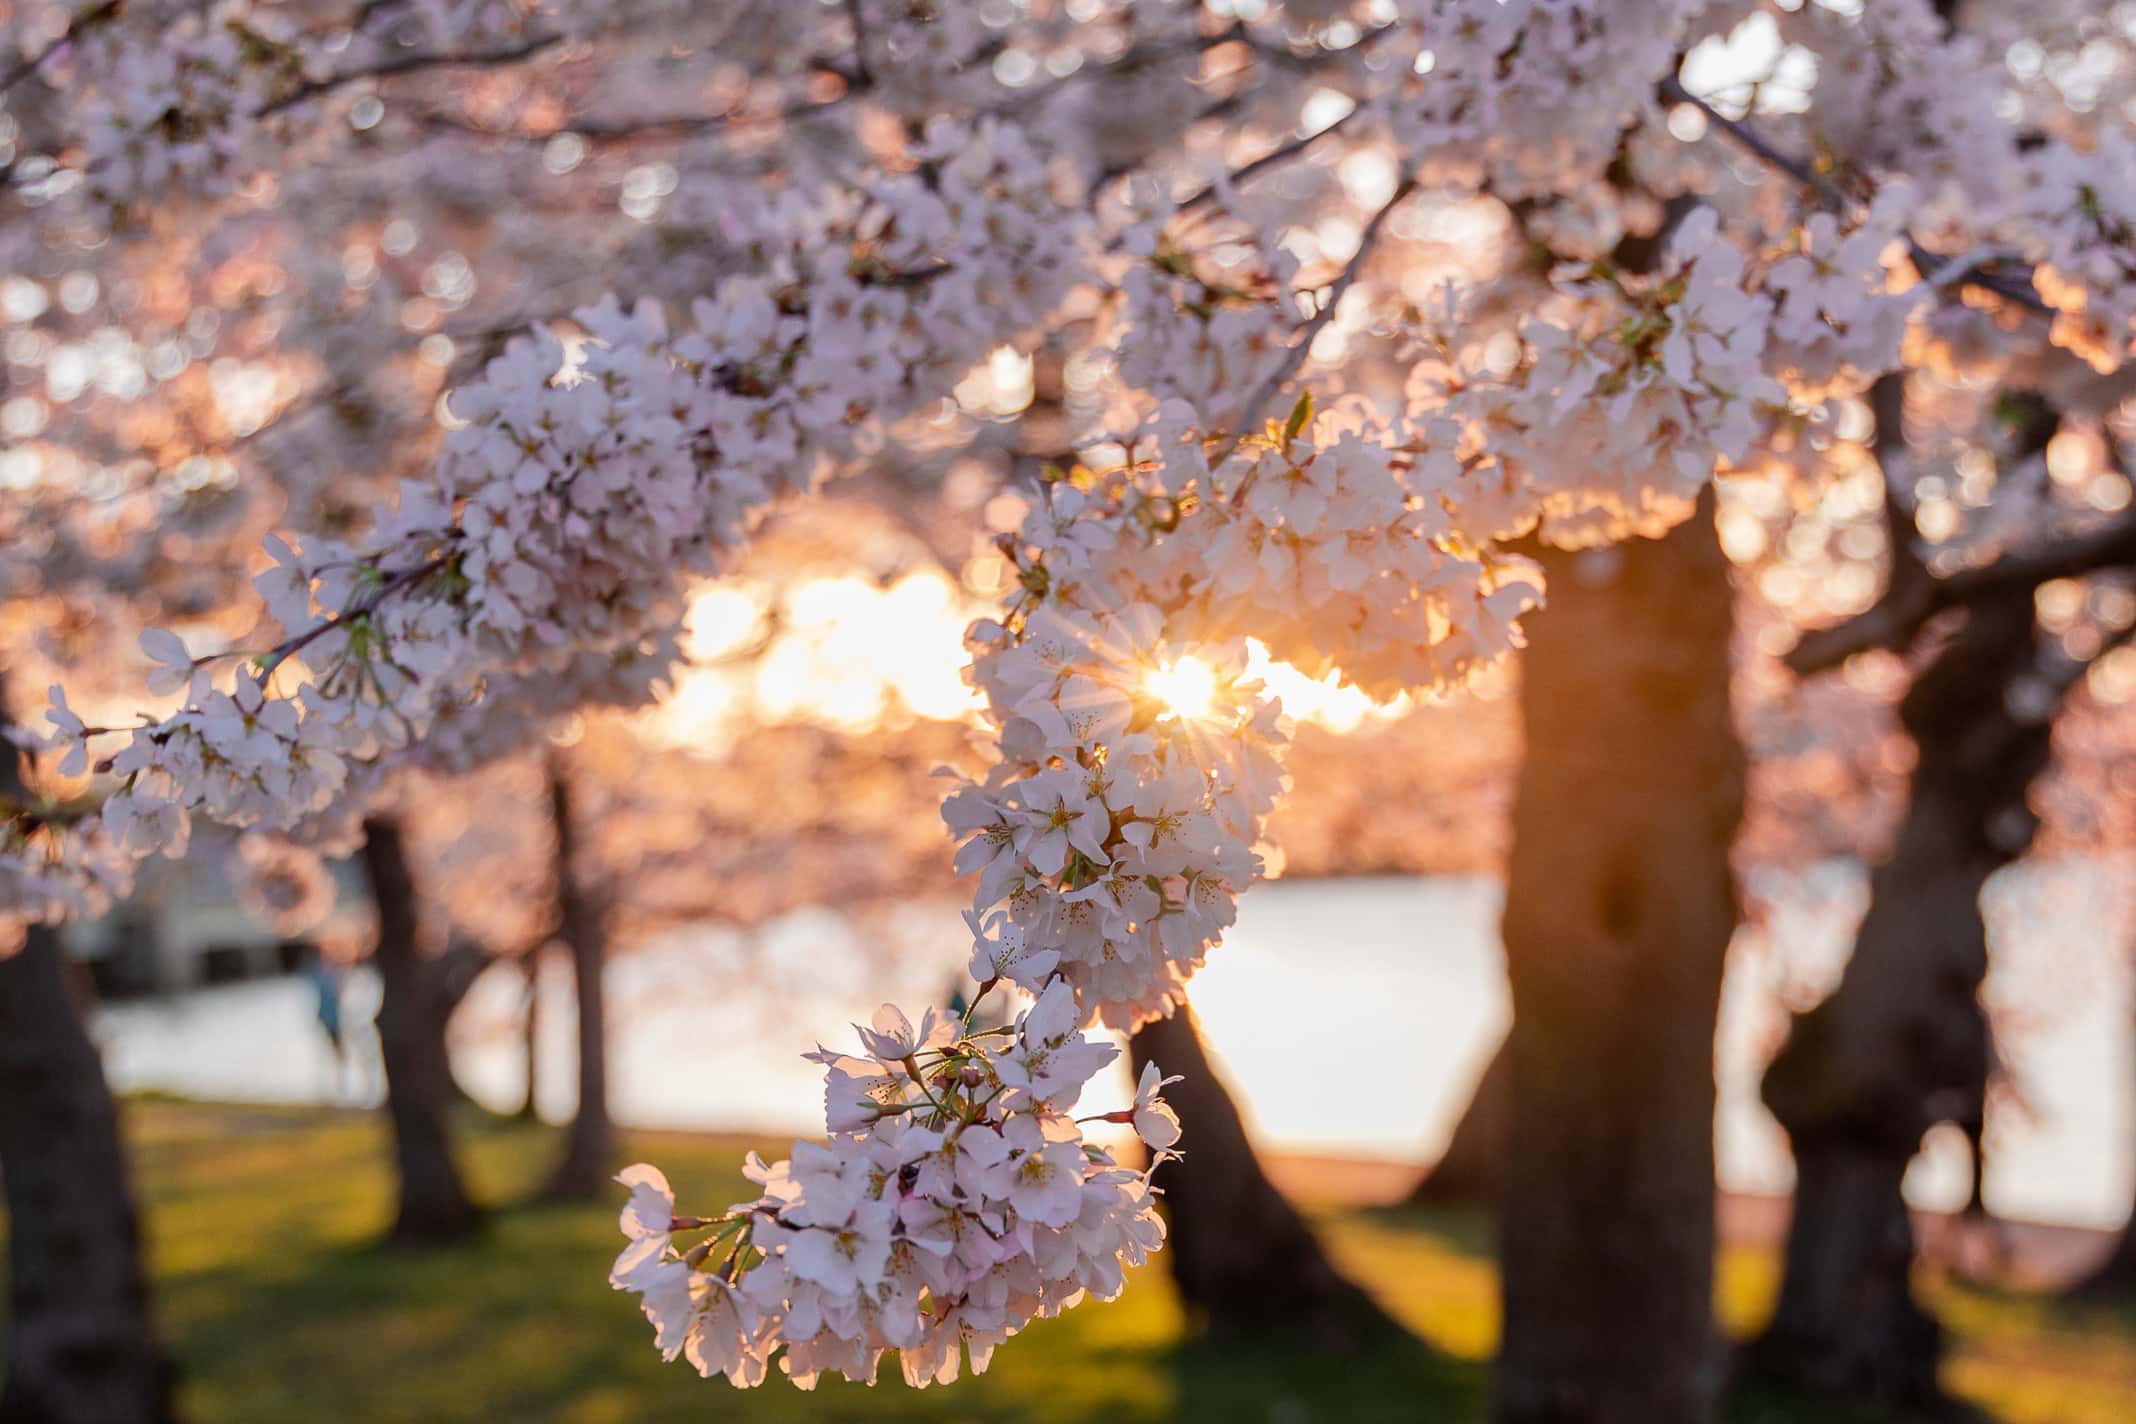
(1291, 416)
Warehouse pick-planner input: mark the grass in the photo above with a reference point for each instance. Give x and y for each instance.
(280, 1307)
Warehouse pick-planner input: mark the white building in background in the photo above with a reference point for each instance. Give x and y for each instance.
(184, 926)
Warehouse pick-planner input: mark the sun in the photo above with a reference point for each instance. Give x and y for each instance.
(1187, 688)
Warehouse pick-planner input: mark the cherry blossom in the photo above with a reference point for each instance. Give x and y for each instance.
(1275, 433)
(965, 1205)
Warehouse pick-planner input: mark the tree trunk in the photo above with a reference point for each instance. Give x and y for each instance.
(1620, 905)
(582, 1172)
(1903, 1043)
(2115, 1277)
(82, 1342)
(1242, 1257)
(434, 1206)
(81, 1339)
(1471, 1171)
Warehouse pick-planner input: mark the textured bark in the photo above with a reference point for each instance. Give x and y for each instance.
(1471, 1171)
(583, 1170)
(82, 1346)
(1242, 1257)
(81, 1337)
(1902, 1044)
(1619, 907)
(434, 1206)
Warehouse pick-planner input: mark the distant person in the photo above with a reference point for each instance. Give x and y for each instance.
(326, 981)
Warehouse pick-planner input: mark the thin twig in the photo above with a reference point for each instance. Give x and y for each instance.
(1136, 56)
(2013, 287)
(409, 64)
(1284, 152)
(1270, 159)
(393, 584)
(603, 131)
(1295, 357)
(1755, 143)
(76, 28)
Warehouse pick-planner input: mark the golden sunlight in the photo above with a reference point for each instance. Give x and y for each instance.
(853, 654)
(1187, 688)
(847, 653)
(1323, 700)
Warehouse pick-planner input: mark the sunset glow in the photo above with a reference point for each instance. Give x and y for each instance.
(847, 653)
(1187, 687)
(855, 654)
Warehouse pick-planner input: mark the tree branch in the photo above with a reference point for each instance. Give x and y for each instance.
(1281, 154)
(1887, 399)
(1898, 616)
(1329, 300)
(2010, 286)
(626, 130)
(78, 26)
(409, 64)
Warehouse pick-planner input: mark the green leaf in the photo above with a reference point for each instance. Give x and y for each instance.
(1301, 415)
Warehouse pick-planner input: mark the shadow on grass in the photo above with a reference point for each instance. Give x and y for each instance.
(1396, 1378)
(1466, 1231)
(264, 1226)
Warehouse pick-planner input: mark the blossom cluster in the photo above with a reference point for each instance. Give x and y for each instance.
(1210, 340)
(1136, 760)
(52, 870)
(164, 96)
(920, 55)
(2080, 220)
(1839, 320)
(1918, 114)
(551, 548)
(955, 1201)
(1900, 92)
(171, 113)
(1627, 399)
(1526, 96)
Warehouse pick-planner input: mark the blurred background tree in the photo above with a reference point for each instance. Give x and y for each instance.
(186, 376)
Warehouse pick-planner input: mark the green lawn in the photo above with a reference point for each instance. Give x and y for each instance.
(281, 1309)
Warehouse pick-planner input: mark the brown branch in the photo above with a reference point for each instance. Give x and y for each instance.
(593, 131)
(1897, 617)
(1887, 399)
(78, 26)
(1270, 159)
(362, 608)
(1148, 52)
(2016, 287)
(625, 130)
(1330, 299)
(409, 64)
(1290, 149)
